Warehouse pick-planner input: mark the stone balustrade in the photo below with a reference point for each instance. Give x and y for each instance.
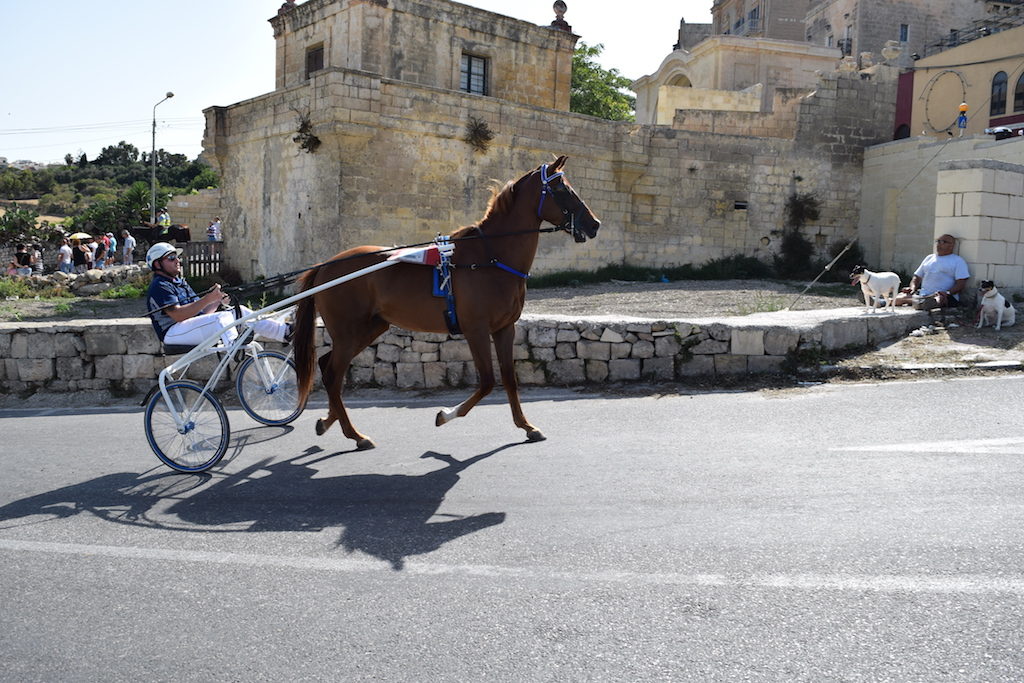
(123, 355)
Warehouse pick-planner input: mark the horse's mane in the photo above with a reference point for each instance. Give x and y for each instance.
(499, 204)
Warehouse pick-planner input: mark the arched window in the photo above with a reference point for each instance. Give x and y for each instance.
(998, 101)
(1018, 95)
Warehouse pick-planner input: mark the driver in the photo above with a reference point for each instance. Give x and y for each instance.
(182, 317)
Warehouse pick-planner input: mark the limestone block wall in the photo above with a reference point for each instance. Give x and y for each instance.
(124, 355)
(671, 98)
(982, 202)
(898, 201)
(195, 210)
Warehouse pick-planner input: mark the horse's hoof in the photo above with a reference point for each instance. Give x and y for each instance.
(365, 444)
(320, 428)
(440, 419)
(535, 435)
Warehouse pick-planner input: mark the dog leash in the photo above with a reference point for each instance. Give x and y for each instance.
(827, 268)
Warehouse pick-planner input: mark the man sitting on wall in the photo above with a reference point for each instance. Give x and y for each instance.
(939, 280)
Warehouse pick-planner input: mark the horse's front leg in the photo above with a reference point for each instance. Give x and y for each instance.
(503, 346)
(480, 347)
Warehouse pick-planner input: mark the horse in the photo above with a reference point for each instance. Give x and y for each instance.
(489, 267)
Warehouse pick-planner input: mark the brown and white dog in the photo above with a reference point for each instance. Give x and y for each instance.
(993, 307)
(876, 287)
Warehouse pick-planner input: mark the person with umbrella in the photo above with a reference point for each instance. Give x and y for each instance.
(80, 254)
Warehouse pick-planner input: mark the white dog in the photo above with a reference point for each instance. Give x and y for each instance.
(876, 287)
(993, 307)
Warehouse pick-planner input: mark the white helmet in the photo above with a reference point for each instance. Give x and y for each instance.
(158, 251)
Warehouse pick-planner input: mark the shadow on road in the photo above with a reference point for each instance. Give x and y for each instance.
(387, 516)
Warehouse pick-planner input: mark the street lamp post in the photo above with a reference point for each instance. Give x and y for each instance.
(152, 159)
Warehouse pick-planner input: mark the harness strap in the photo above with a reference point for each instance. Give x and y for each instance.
(445, 249)
(510, 269)
(544, 189)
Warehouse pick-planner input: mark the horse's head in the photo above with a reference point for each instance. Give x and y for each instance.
(567, 210)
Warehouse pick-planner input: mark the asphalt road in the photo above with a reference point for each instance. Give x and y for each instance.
(838, 532)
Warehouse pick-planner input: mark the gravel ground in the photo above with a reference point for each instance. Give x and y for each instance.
(639, 299)
(683, 299)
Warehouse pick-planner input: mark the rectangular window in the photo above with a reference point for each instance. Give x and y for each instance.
(314, 60)
(904, 33)
(473, 77)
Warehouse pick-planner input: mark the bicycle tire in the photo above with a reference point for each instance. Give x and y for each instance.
(276, 405)
(205, 439)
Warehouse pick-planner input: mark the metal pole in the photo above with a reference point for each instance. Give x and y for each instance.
(152, 160)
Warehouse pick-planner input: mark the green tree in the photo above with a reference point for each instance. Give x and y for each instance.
(596, 91)
(121, 154)
(134, 205)
(206, 178)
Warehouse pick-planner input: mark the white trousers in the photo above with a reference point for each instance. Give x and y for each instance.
(195, 330)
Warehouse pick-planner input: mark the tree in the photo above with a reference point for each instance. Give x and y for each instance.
(596, 91)
(121, 154)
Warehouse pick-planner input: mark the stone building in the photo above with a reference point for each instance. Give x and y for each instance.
(365, 140)
(779, 19)
(728, 73)
(987, 74)
(857, 26)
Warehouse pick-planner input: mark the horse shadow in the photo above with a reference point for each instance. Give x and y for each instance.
(387, 516)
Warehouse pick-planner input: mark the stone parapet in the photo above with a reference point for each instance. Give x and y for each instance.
(123, 355)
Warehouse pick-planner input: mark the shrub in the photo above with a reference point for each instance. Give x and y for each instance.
(795, 250)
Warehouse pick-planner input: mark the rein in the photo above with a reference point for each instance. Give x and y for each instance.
(568, 225)
(285, 279)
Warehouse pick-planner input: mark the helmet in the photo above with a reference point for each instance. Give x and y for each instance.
(158, 251)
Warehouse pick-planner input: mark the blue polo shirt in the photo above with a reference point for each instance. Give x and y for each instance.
(163, 292)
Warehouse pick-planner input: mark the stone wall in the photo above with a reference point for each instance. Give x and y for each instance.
(124, 355)
(982, 202)
(196, 211)
(898, 214)
(394, 168)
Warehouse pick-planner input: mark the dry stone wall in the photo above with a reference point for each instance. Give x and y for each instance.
(124, 355)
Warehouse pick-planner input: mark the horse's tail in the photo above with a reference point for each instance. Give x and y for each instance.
(304, 336)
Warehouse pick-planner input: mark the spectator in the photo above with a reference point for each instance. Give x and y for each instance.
(64, 256)
(37, 254)
(91, 246)
(939, 280)
(80, 256)
(128, 245)
(22, 261)
(213, 232)
(99, 254)
(111, 248)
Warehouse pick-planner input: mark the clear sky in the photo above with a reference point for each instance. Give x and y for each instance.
(79, 76)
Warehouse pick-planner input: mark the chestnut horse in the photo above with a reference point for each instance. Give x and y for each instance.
(489, 268)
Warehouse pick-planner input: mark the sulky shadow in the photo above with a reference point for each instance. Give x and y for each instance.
(387, 516)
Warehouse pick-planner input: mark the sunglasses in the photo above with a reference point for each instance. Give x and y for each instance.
(173, 256)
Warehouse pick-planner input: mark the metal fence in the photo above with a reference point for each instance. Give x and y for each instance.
(203, 258)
